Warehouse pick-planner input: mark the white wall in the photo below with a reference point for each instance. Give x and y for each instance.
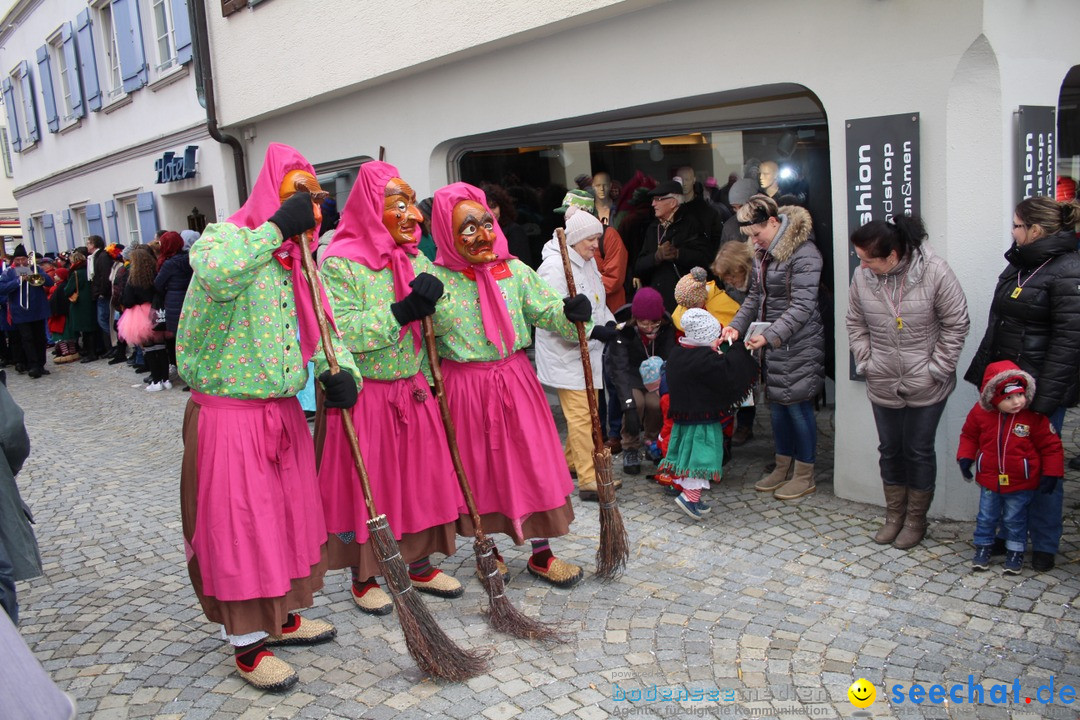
(963, 65)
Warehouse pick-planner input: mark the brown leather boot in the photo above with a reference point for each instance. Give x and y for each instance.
(777, 477)
(801, 482)
(895, 512)
(918, 502)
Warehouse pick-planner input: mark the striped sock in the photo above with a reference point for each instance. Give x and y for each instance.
(362, 586)
(421, 569)
(692, 495)
(541, 553)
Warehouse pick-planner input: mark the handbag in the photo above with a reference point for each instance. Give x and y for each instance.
(75, 295)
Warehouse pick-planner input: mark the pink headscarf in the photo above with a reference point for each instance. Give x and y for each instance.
(263, 202)
(361, 236)
(498, 327)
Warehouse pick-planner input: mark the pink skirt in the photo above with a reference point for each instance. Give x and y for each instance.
(260, 522)
(404, 448)
(136, 326)
(508, 442)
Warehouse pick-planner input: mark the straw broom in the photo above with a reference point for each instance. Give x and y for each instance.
(614, 547)
(502, 615)
(432, 649)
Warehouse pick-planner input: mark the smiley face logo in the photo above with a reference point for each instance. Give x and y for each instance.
(861, 693)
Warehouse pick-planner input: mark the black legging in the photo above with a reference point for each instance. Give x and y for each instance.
(158, 362)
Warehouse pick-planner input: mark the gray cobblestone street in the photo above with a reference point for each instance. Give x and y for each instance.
(776, 608)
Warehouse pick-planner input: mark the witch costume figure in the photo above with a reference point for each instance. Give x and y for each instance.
(381, 287)
(507, 438)
(252, 515)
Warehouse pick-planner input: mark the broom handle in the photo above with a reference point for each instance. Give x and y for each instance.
(448, 423)
(308, 264)
(583, 345)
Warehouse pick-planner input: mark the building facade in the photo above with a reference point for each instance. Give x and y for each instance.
(104, 128)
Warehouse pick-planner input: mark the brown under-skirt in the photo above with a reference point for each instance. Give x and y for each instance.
(546, 524)
(239, 617)
(413, 546)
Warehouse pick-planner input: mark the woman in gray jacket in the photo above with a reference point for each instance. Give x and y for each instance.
(907, 319)
(784, 292)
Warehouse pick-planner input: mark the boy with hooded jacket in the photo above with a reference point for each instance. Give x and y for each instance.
(1014, 452)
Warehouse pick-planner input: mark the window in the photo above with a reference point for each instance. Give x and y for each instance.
(131, 220)
(62, 82)
(6, 150)
(114, 86)
(82, 227)
(163, 34)
(38, 227)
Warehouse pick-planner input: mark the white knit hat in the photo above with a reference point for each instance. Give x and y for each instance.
(582, 225)
(700, 326)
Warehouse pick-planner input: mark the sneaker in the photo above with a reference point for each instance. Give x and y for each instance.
(688, 507)
(166, 385)
(154, 387)
(981, 560)
(703, 507)
(631, 462)
(652, 451)
(1042, 561)
(1014, 560)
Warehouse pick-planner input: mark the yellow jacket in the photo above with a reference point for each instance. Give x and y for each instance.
(718, 303)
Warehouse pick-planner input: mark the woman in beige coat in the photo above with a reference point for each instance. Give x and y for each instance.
(907, 319)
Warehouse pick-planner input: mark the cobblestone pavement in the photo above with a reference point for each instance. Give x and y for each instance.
(776, 608)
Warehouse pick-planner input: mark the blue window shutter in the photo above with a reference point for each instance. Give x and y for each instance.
(93, 221)
(12, 115)
(71, 59)
(181, 30)
(148, 225)
(29, 105)
(114, 225)
(129, 42)
(45, 72)
(49, 225)
(87, 63)
(69, 228)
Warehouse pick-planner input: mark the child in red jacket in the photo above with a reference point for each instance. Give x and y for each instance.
(1015, 452)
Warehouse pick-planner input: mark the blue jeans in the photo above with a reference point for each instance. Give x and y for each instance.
(1009, 509)
(104, 321)
(1044, 513)
(795, 430)
(906, 445)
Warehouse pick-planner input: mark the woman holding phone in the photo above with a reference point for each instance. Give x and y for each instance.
(784, 293)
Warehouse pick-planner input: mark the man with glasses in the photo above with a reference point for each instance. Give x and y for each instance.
(674, 243)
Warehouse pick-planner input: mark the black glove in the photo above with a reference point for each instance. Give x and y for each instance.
(577, 308)
(1048, 484)
(965, 468)
(426, 291)
(340, 389)
(295, 216)
(605, 333)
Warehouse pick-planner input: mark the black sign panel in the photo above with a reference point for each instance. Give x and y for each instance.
(882, 174)
(1036, 133)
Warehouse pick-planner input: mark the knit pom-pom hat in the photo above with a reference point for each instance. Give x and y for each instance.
(690, 291)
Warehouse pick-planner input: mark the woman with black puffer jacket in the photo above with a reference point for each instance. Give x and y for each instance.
(171, 282)
(1035, 322)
